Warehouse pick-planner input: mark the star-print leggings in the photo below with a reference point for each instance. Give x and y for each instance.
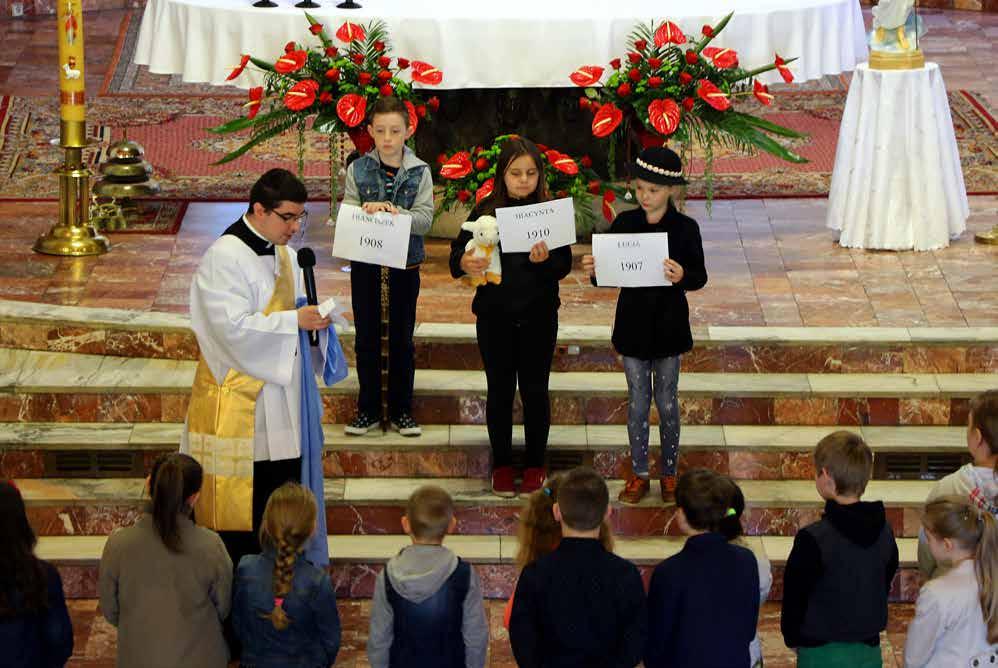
(640, 376)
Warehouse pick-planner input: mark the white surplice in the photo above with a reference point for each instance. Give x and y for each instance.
(229, 292)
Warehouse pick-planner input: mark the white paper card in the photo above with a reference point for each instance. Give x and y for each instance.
(631, 260)
(379, 238)
(520, 227)
(326, 307)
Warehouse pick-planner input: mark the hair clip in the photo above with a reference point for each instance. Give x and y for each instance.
(546, 490)
(278, 602)
(730, 513)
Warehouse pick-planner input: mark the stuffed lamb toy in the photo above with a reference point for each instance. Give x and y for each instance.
(485, 243)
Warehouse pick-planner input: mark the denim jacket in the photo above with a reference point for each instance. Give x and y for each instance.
(413, 193)
(312, 640)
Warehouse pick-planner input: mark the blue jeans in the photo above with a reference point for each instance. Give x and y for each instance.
(640, 376)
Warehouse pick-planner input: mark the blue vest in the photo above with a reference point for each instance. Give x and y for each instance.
(429, 633)
(371, 188)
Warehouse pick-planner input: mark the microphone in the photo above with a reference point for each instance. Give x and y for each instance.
(306, 260)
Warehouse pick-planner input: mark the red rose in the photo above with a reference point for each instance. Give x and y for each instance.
(481, 164)
(384, 75)
(669, 33)
(292, 61)
(586, 75)
(302, 95)
(712, 95)
(326, 97)
(624, 89)
(615, 63)
(654, 82)
(586, 161)
(351, 109)
(425, 73)
(457, 166)
(685, 78)
(634, 57)
(606, 120)
(692, 57)
(433, 103)
(364, 78)
(762, 93)
(707, 31)
(333, 74)
(402, 63)
(332, 51)
(463, 195)
(350, 32)
(640, 44)
(654, 63)
(421, 110)
(384, 61)
(634, 75)
(593, 187)
(315, 28)
(442, 158)
(289, 47)
(357, 58)
(584, 102)
(379, 46)
(239, 68)
(255, 99)
(688, 104)
(485, 190)
(386, 90)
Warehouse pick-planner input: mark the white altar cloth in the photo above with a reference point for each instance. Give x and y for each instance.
(897, 183)
(516, 43)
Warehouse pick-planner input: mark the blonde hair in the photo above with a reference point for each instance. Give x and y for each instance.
(288, 523)
(430, 511)
(848, 459)
(955, 518)
(539, 532)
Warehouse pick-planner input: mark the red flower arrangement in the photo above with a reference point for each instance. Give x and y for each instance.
(335, 85)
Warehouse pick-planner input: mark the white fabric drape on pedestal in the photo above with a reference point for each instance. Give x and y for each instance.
(897, 182)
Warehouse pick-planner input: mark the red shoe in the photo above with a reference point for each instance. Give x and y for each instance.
(533, 479)
(503, 482)
(634, 490)
(668, 486)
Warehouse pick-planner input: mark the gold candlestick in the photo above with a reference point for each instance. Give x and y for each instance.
(72, 234)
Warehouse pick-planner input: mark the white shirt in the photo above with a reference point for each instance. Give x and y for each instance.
(948, 630)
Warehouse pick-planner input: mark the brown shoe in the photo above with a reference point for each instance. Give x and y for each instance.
(668, 486)
(635, 490)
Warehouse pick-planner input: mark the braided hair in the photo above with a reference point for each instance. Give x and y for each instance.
(288, 523)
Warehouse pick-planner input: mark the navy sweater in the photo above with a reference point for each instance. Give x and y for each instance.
(703, 606)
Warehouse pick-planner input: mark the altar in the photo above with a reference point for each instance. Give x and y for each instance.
(514, 44)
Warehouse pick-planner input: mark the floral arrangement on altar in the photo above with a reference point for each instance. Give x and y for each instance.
(674, 87)
(469, 174)
(335, 84)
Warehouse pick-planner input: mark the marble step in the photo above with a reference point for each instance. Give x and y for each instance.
(744, 452)
(37, 386)
(356, 560)
(373, 506)
(126, 333)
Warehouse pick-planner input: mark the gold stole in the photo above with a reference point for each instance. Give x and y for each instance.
(221, 423)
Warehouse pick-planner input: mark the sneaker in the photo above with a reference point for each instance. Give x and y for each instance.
(361, 424)
(502, 482)
(533, 479)
(634, 490)
(668, 486)
(406, 425)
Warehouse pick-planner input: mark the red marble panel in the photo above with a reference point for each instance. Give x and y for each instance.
(959, 412)
(497, 580)
(589, 358)
(130, 343)
(606, 410)
(797, 465)
(130, 408)
(27, 336)
(349, 464)
(436, 410)
(924, 411)
(696, 410)
(761, 358)
(754, 465)
(866, 359)
(338, 408)
(713, 460)
(487, 520)
(982, 359)
(463, 356)
(776, 590)
(872, 411)
(82, 520)
(776, 521)
(568, 410)
(853, 412)
(363, 520)
(644, 520)
(911, 521)
(68, 339)
(353, 580)
(806, 411)
(703, 359)
(479, 463)
(389, 464)
(174, 407)
(935, 359)
(471, 410)
(10, 407)
(612, 463)
(22, 464)
(78, 581)
(441, 464)
(895, 516)
(743, 410)
(59, 407)
(180, 346)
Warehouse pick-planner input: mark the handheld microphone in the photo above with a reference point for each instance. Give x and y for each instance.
(306, 260)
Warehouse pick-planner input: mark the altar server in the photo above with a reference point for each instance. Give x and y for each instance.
(254, 420)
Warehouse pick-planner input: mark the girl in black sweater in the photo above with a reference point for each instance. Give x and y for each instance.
(652, 325)
(517, 321)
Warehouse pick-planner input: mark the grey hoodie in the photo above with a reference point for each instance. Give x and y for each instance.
(417, 572)
(977, 484)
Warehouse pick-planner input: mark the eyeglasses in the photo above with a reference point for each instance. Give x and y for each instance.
(292, 218)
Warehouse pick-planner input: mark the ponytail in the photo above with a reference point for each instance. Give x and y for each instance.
(730, 525)
(288, 523)
(986, 567)
(173, 480)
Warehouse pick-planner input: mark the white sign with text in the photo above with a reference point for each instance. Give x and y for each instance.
(631, 260)
(520, 227)
(378, 238)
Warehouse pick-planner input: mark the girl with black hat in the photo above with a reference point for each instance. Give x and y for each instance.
(652, 324)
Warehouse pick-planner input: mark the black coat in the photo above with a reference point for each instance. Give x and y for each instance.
(652, 323)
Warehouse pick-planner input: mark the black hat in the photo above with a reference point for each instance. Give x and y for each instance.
(658, 164)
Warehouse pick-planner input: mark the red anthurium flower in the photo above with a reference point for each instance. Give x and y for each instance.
(463, 195)
(587, 75)
(331, 51)
(722, 58)
(379, 46)
(606, 120)
(425, 73)
(289, 47)
(333, 74)
(542, 147)
(364, 78)
(442, 158)
(403, 63)
(315, 28)
(457, 166)
(783, 69)
(421, 110)
(384, 61)
(664, 116)
(433, 103)
(292, 61)
(654, 63)
(326, 97)
(669, 33)
(384, 75)
(640, 45)
(386, 90)
(301, 95)
(762, 94)
(712, 95)
(624, 89)
(688, 103)
(357, 58)
(594, 187)
(562, 162)
(608, 212)
(255, 99)
(634, 75)
(634, 57)
(707, 31)
(352, 109)
(586, 161)
(615, 63)
(685, 78)
(562, 193)
(350, 32)
(239, 68)
(692, 57)
(413, 116)
(654, 82)
(485, 190)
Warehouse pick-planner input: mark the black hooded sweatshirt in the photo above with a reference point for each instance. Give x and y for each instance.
(838, 576)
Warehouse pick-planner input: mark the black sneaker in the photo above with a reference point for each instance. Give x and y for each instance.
(406, 425)
(361, 424)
